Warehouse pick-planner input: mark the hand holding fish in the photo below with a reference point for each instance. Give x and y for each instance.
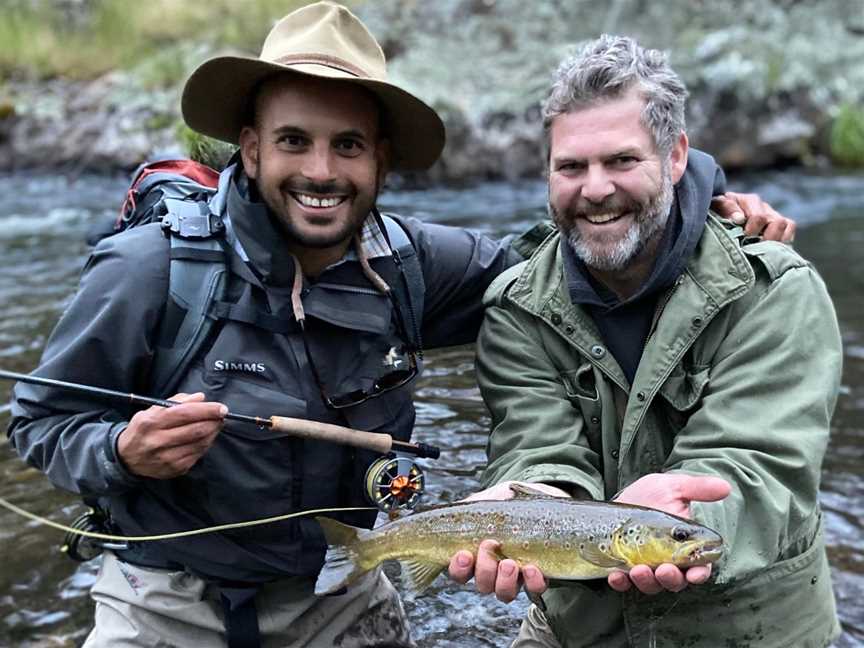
(671, 493)
(490, 573)
(535, 534)
(162, 442)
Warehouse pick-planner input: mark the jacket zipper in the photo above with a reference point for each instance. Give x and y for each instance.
(357, 290)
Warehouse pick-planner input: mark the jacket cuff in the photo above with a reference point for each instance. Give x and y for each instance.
(115, 471)
(559, 475)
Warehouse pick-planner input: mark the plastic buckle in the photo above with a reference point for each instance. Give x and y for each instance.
(189, 220)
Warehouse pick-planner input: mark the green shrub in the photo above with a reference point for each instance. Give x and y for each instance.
(201, 148)
(847, 136)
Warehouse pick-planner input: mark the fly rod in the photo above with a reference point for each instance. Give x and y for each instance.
(377, 441)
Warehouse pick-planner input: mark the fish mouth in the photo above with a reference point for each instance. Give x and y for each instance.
(700, 553)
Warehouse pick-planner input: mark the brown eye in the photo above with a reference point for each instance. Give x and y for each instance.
(680, 534)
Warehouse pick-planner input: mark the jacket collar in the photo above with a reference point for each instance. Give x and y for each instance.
(718, 267)
(717, 274)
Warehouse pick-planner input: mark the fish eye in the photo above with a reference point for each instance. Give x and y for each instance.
(680, 534)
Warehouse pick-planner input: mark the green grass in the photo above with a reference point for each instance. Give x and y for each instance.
(82, 39)
(847, 136)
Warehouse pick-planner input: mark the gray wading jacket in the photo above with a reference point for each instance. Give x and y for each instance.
(107, 338)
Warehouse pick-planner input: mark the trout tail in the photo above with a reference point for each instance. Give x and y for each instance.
(342, 564)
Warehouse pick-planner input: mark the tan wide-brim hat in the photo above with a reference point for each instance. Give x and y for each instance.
(320, 40)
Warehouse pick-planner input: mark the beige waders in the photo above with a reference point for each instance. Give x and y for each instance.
(137, 607)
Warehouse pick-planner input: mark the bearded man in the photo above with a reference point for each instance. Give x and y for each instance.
(646, 355)
(327, 309)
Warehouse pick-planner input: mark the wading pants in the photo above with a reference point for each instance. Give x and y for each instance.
(138, 607)
(535, 632)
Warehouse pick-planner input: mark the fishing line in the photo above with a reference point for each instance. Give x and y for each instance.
(170, 536)
(652, 624)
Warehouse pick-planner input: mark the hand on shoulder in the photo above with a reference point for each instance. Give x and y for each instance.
(757, 216)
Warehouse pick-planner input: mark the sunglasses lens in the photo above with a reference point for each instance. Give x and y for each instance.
(391, 381)
(394, 379)
(346, 400)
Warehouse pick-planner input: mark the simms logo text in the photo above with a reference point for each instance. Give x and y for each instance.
(249, 367)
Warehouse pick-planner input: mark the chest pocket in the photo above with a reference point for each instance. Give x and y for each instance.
(580, 386)
(682, 392)
(253, 372)
(374, 349)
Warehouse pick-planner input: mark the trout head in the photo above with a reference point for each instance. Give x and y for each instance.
(656, 539)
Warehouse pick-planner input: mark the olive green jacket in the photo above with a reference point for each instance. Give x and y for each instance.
(738, 379)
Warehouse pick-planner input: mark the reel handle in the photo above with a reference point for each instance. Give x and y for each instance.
(377, 441)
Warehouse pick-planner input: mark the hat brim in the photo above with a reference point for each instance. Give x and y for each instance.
(216, 94)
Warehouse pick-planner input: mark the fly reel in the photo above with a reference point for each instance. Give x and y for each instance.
(394, 482)
(83, 548)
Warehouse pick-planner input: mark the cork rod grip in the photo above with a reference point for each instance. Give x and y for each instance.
(376, 441)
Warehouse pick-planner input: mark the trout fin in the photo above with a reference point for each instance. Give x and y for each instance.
(420, 574)
(597, 557)
(341, 564)
(521, 491)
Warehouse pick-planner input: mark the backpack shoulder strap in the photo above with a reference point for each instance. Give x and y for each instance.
(198, 280)
(411, 293)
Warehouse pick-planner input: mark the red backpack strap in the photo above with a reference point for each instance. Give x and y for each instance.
(200, 173)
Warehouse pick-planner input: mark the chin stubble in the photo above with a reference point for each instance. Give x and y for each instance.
(649, 221)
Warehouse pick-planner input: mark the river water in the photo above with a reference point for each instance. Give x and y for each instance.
(43, 223)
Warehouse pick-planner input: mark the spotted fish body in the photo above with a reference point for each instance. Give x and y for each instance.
(566, 539)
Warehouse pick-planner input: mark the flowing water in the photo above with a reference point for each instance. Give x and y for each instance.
(43, 223)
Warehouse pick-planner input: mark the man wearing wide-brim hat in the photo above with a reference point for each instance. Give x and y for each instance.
(327, 309)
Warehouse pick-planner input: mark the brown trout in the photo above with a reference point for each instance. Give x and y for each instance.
(566, 539)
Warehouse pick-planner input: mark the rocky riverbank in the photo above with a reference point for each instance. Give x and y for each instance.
(766, 88)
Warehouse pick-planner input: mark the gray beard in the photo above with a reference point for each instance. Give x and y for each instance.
(648, 223)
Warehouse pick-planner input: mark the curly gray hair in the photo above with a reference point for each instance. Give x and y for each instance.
(608, 68)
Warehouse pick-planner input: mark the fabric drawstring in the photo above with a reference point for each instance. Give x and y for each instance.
(296, 291)
(368, 272)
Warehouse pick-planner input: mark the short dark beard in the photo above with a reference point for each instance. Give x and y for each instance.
(279, 215)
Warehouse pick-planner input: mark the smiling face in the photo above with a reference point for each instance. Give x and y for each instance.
(610, 190)
(318, 161)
